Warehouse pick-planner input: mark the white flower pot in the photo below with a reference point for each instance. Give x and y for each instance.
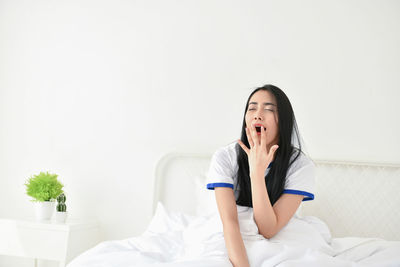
(61, 216)
(44, 210)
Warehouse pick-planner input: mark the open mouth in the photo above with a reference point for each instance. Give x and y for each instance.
(258, 129)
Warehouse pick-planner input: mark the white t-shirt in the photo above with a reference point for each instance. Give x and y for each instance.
(300, 177)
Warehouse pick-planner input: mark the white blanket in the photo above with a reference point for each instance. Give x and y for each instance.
(176, 239)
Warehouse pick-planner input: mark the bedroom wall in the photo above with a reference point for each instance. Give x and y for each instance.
(99, 91)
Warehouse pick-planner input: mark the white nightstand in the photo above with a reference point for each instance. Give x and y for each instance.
(47, 240)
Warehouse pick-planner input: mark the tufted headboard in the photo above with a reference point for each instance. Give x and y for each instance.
(354, 199)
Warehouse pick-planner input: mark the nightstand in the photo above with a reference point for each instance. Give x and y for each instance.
(47, 240)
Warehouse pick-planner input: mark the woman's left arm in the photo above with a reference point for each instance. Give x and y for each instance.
(270, 219)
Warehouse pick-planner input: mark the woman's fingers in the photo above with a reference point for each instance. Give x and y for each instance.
(263, 138)
(254, 136)
(272, 150)
(243, 146)
(249, 138)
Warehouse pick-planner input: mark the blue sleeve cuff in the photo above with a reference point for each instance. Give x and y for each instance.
(213, 185)
(307, 196)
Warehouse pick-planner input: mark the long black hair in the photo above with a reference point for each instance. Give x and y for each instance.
(286, 154)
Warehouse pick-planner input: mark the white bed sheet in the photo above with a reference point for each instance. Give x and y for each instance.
(177, 239)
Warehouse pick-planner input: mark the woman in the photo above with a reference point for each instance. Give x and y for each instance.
(263, 170)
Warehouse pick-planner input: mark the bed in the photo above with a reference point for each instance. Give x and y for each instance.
(354, 220)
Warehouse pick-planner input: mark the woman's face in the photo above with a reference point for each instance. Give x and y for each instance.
(263, 111)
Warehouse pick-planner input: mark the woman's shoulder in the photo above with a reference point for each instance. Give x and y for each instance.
(227, 152)
(229, 149)
(300, 160)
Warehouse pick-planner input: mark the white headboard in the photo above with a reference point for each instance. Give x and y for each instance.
(354, 199)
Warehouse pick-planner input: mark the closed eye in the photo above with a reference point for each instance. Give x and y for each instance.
(264, 109)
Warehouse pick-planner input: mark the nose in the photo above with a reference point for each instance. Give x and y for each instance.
(257, 116)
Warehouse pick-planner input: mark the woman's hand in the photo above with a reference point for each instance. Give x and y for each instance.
(259, 157)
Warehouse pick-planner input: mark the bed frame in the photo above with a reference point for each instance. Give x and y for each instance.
(353, 198)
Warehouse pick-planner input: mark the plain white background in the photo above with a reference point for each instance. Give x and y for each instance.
(99, 91)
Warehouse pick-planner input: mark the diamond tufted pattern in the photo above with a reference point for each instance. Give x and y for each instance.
(357, 199)
(354, 199)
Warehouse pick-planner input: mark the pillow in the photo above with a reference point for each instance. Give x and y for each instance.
(205, 199)
(165, 221)
(320, 226)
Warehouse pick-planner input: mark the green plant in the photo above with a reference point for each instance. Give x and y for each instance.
(43, 187)
(61, 203)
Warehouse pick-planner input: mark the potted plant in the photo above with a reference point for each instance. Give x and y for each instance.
(44, 188)
(61, 213)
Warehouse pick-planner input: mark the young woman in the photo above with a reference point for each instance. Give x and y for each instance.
(265, 170)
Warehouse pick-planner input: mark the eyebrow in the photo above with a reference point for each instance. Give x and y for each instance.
(265, 104)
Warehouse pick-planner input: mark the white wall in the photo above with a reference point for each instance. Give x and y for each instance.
(99, 91)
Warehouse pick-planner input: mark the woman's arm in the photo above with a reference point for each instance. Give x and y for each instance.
(270, 219)
(233, 239)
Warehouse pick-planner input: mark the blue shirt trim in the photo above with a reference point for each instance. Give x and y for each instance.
(308, 196)
(213, 185)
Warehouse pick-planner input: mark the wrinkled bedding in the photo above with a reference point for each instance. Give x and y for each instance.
(176, 239)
